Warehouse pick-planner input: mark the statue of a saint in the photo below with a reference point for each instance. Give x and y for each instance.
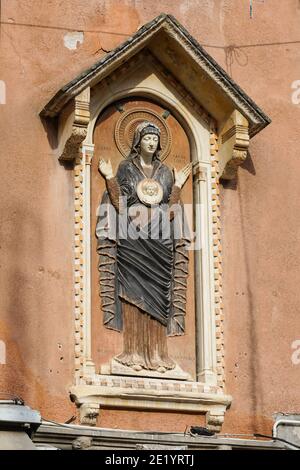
(143, 275)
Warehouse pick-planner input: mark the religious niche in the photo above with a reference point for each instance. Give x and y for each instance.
(150, 141)
(143, 241)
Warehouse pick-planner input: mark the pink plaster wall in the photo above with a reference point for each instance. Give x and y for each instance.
(260, 219)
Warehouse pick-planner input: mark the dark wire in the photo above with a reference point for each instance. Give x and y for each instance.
(277, 439)
(177, 433)
(9, 396)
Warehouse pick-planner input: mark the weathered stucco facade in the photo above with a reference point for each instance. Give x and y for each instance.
(42, 49)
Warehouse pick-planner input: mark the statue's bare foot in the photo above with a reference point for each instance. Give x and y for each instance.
(169, 364)
(161, 369)
(137, 367)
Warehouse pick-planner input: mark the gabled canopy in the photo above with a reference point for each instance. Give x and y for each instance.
(182, 55)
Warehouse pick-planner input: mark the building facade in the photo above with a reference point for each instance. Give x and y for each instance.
(221, 80)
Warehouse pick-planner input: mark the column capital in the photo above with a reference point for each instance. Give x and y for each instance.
(199, 172)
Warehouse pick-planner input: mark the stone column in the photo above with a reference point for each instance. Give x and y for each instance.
(205, 324)
(88, 365)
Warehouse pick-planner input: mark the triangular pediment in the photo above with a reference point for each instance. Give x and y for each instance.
(182, 55)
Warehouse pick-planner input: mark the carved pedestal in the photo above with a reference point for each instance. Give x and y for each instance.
(150, 394)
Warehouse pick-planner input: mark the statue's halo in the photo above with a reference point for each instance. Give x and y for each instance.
(127, 124)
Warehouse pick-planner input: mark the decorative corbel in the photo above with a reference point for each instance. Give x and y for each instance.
(88, 413)
(73, 124)
(234, 143)
(199, 172)
(215, 419)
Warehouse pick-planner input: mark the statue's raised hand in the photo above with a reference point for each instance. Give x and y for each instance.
(182, 175)
(105, 168)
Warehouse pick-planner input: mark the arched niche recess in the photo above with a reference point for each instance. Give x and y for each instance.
(161, 65)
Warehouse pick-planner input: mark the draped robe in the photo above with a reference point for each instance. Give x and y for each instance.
(143, 272)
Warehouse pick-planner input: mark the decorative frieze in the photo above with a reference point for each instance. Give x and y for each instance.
(217, 253)
(78, 266)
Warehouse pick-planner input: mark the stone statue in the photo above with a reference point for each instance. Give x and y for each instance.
(143, 270)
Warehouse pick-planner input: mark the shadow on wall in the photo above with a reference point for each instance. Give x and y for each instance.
(51, 128)
(255, 392)
(255, 388)
(235, 54)
(248, 165)
(25, 319)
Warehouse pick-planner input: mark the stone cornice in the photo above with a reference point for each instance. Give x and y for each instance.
(169, 26)
(62, 437)
(150, 394)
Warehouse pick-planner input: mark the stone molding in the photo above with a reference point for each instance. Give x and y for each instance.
(150, 394)
(169, 26)
(63, 436)
(179, 87)
(78, 265)
(88, 413)
(146, 57)
(234, 139)
(217, 254)
(239, 98)
(75, 130)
